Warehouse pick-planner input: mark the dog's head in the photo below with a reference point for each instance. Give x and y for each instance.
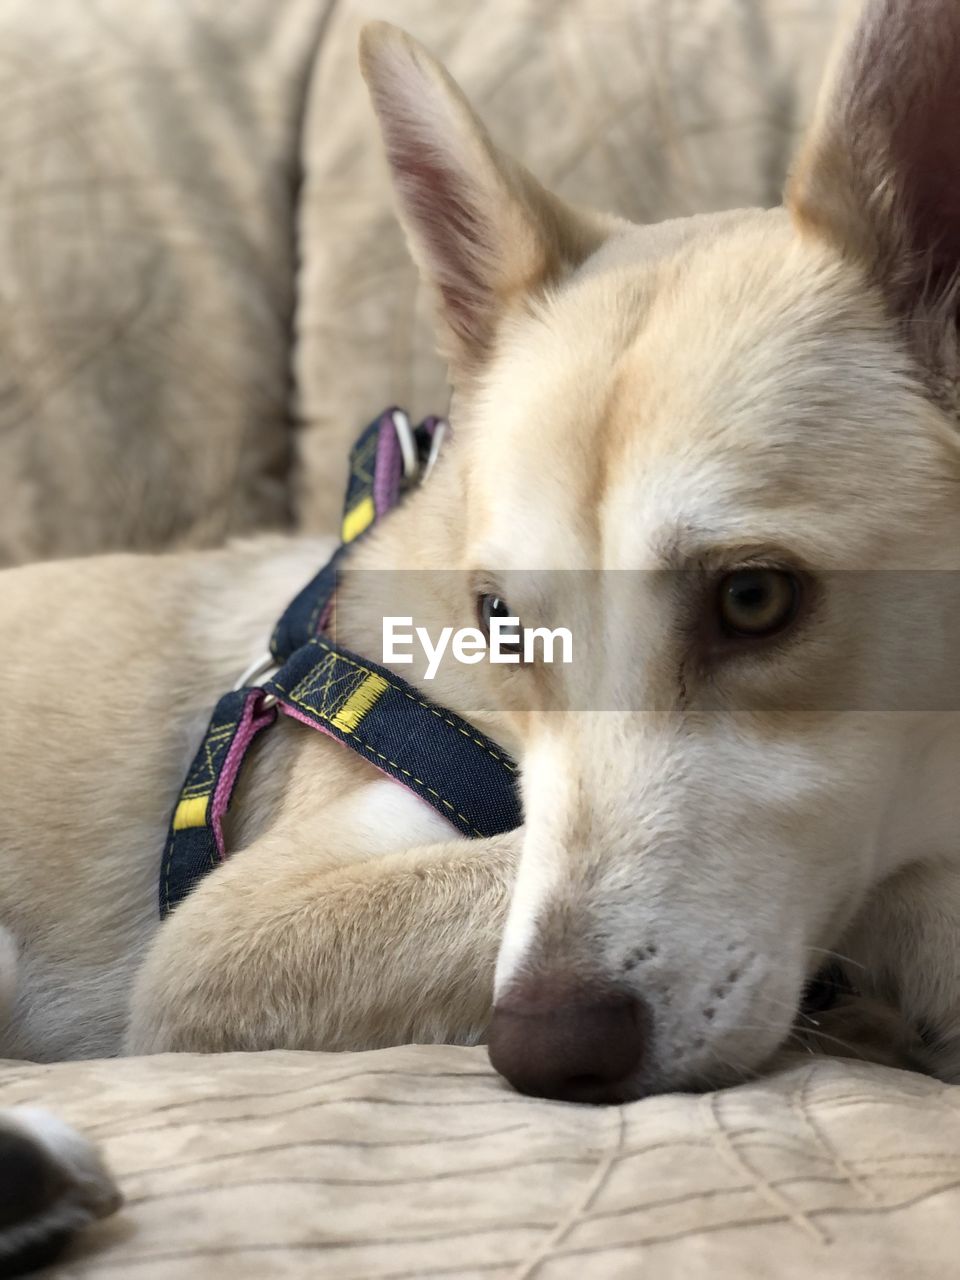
(753, 413)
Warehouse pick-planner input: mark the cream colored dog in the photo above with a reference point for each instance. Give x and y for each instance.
(748, 407)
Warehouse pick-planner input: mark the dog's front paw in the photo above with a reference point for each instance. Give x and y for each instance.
(52, 1182)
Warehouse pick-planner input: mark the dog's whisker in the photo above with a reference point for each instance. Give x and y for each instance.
(797, 1009)
(743, 1073)
(835, 955)
(798, 1035)
(853, 1049)
(795, 1038)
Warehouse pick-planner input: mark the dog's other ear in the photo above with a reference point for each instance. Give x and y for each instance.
(483, 232)
(880, 173)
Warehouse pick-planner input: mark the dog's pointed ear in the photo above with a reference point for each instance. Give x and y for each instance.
(483, 232)
(880, 173)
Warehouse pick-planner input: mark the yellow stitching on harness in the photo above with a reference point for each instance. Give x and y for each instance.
(339, 657)
(209, 776)
(357, 519)
(191, 813)
(359, 703)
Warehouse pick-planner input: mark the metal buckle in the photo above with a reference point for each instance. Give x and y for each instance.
(267, 665)
(262, 666)
(436, 444)
(408, 444)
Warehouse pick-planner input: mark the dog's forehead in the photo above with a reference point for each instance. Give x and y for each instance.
(730, 377)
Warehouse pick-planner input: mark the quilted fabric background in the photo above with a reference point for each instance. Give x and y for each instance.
(203, 290)
(148, 185)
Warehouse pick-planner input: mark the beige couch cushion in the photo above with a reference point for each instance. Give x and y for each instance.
(646, 108)
(147, 193)
(417, 1162)
(152, 154)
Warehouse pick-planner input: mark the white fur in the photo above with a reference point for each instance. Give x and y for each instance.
(546, 800)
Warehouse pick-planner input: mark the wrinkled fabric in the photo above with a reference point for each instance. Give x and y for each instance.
(419, 1161)
(148, 194)
(204, 292)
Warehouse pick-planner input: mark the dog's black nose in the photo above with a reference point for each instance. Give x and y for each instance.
(572, 1041)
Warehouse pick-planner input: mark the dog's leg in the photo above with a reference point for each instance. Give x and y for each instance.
(273, 951)
(52, 1182)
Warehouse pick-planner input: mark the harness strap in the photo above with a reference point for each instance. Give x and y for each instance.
(442, 758)
(438, 755)
(195, 843)
(378, 470)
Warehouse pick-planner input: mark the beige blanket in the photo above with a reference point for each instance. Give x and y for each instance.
(417, 1162)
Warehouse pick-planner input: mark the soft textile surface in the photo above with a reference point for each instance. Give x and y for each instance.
(186, 186)
(648, 108)
(147, 200)
(419, 1162)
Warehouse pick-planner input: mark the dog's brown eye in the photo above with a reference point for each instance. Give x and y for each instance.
(757, 602)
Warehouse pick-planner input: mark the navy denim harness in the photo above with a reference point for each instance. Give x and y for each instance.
(450, 764)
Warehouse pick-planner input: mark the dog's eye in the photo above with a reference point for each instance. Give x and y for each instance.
(757, 602)
(490, 607)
